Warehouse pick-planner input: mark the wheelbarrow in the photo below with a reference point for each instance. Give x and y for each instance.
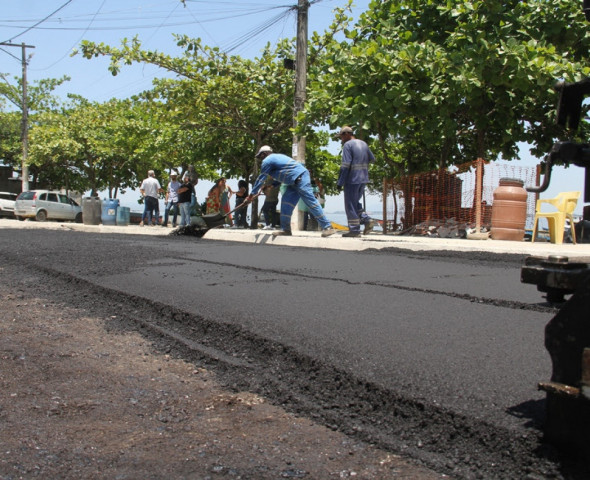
(212, 220)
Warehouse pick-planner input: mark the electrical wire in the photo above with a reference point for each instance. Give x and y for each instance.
(12, 55)
(128, 19)
(38, 23)
(76, 42)
(163, 21)
(136, 26)
(257, 31)
(211, 14)
(218, 13)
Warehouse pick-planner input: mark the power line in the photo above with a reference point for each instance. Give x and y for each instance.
(255, 32)
(39, 22)
(163, 21)
(210, 14)
(127, 26)
(77, 41)
(113, 28)
(219, 13)
(8, 53)
(255, 15)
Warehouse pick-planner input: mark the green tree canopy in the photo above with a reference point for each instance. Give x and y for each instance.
(39, 99)
(230, 105)
(452, 81)
(101, 146)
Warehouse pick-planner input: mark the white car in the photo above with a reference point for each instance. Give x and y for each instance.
(45, 205)
(7, 204)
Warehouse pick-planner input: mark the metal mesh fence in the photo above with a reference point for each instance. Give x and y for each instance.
(451, 194)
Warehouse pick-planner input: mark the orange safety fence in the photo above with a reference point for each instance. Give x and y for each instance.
(451, 193)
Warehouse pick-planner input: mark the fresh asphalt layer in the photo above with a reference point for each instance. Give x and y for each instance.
(460, 332)
(261, 276)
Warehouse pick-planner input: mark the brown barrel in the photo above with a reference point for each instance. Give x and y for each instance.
(509, 210)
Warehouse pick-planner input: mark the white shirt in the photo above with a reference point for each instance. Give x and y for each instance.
(173, 187)
(150, 187)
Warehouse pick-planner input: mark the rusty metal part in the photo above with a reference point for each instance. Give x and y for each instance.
(567, 339)
(559, 389)
(554, 275)
(564, 390)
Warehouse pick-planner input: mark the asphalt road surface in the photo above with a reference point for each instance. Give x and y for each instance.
(433, 355)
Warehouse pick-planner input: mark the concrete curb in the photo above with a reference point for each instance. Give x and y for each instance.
(376, 241)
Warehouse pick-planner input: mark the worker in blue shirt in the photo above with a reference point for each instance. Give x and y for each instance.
(354, 175)
(296, 178)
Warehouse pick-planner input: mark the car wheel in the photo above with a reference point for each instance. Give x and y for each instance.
(41, 216)
(78, 218)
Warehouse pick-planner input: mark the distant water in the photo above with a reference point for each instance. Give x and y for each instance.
(337, 217)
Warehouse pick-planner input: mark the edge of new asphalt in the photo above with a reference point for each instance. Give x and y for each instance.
(372, 241)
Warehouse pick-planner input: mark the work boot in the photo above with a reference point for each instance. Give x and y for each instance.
(326, 232)
(369, 226)
(287, 233)
(351, 234)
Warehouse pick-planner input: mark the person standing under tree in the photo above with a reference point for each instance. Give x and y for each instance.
(150, 188)
(295, 177)
(214, 199)
(171, 199)
(185, 193)
(354, 175)
(225, 193)
(241, 215)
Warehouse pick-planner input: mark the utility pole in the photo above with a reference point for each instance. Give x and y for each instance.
(25, 114)
(298, 152)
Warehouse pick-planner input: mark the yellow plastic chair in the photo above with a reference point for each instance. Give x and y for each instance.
(565, 203)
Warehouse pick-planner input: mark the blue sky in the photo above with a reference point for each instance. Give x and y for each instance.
(56, 27)
(229, 25)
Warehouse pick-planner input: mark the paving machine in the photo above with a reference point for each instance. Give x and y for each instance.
(567, 335)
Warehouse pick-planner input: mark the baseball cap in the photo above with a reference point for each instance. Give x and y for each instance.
(263, 149)
(345, 129)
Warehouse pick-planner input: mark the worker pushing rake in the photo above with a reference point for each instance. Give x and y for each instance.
(283, 170)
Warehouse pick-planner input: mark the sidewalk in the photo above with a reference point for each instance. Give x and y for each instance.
(376, 240)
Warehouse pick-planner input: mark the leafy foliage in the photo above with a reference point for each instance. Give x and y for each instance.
(228, 105)
(427, 84)
(438, 82)
(39, 98)
(10, 138)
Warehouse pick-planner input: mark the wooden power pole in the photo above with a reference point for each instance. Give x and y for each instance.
(25, 115)
(298, 152)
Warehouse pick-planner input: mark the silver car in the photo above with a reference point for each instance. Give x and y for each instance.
(47, 205)
(7, 204)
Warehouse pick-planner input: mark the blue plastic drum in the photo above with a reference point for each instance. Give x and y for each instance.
(109, 211)
(123, 214)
